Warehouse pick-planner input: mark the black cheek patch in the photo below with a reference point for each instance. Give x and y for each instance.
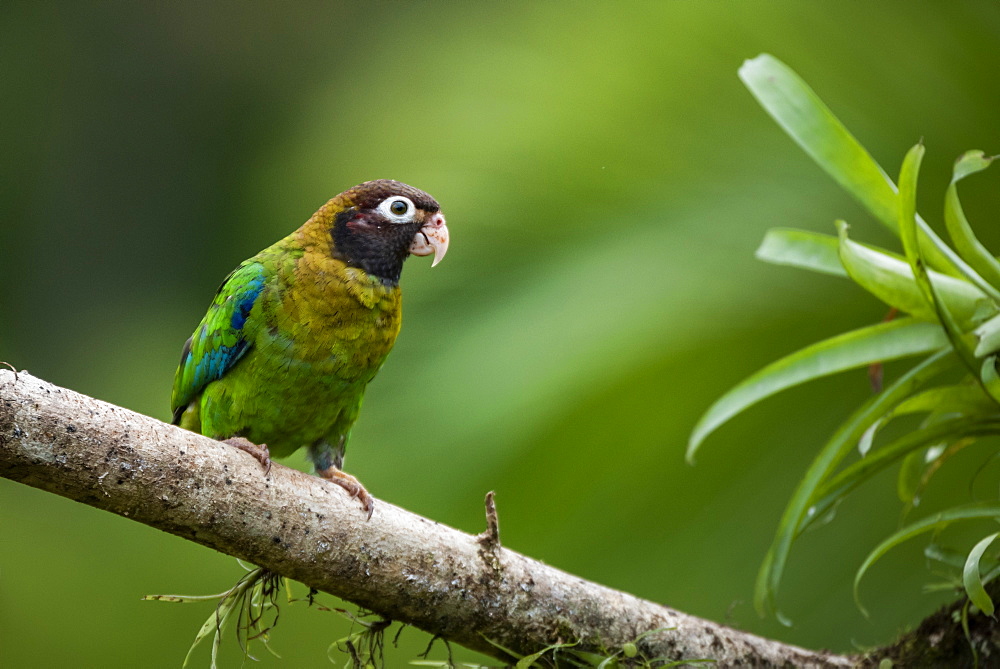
(369, 242)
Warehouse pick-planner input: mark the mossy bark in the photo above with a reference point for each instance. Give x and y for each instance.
(940, 641)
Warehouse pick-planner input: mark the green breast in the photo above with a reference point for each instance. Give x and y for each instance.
(318, 334)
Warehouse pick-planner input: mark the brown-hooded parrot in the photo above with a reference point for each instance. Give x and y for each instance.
(294, 334)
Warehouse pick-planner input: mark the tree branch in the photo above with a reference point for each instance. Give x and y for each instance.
(467, 589)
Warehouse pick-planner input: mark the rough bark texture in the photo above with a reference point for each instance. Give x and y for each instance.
(463, 588)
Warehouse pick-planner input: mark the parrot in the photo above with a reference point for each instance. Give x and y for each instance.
(294, 334)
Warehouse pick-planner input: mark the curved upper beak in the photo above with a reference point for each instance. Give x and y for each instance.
(431, 238)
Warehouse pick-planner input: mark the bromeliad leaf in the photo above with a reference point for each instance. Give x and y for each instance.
(908, 481)
(908, 233)
(946, 556)
(989, 379)
(801, 510)
(800, 248)
(952, 299)
(907, 214)
(881, 272)
(919, 466)
(968, 246)
(888, 277)
(801, 113)
(966, 399)
(989, 337)
(985, 374)
(884, 341)
(850, 477)
(971, 578)
(807, 120)
(978, 511)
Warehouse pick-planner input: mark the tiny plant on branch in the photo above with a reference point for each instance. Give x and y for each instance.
(948, 298)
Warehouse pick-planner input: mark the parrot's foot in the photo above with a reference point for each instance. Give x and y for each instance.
(258, 451)
(351, 485)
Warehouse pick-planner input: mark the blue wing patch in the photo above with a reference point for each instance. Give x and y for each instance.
(219, 341)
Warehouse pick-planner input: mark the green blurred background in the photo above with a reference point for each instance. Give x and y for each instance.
(606, 179)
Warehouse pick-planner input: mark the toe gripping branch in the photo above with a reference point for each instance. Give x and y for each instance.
(258, 451)
(352, 486)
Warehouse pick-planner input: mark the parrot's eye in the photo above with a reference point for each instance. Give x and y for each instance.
(398, 209)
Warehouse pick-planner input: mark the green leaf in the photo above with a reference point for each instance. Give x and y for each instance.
(989, 379)
(968, 634)
(890, 278)
(884, 274)
(908, 232)
(207, 627)
(971, 578)
(228, 601)
(984, 373)
(885, 341)
(908, 222)
(183, 599)
(501, 647)
(962, 344)
(978, 511)
(947, 556)
(993, 573)
(909, 477)
(862, 470)
(215, 623)
(610, 662)
(868, 437)
(965, 398)
(808, 121)
(989, 337)
(529, 660)
(965, 241)
(796, 515)
(800, 248)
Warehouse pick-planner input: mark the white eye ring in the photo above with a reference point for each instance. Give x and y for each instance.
(390, 208)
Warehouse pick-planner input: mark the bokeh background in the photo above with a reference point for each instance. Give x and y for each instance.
(606, 179)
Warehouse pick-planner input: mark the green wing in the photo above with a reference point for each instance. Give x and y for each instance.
(219, 341)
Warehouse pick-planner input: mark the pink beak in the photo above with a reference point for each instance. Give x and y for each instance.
(431, 238)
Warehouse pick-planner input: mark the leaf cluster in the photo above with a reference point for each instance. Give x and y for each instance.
(252, 602)
(949, 301)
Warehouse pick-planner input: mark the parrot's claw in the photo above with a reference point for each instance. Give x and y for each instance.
(258, 451)
(352, 486)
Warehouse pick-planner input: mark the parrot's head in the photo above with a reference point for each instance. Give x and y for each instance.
(378, 224)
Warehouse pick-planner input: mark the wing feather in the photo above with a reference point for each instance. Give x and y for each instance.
(220, 339)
